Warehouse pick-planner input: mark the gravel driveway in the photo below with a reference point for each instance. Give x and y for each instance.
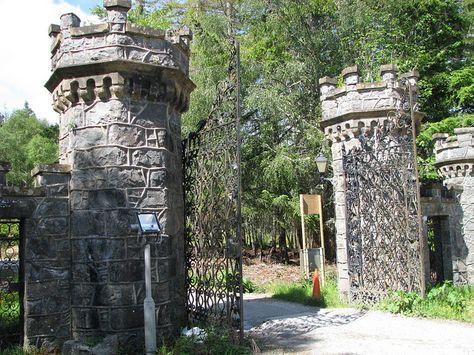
(281, 327)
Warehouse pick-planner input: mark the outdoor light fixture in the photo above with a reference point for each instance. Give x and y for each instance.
(321, 162)
(148, 223)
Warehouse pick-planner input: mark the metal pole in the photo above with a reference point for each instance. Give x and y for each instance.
(239, 186)
(423, 244)
(321, 226)
(149, 308)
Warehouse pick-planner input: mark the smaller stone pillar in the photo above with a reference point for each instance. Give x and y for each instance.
(455, 163)
(347, 113)
(4, 169)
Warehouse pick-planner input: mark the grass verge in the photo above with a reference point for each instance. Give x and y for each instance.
(302, 292)
(444, 301)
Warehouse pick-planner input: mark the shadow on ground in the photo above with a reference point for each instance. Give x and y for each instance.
(270, 321)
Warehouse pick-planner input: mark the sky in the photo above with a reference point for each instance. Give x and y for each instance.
(25, 51)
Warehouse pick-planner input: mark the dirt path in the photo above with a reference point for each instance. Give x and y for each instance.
(281, 327)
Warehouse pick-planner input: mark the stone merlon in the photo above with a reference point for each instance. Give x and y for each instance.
(357, 107)
(455, 155)
(117, 46)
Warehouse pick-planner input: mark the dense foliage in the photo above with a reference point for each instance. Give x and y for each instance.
(442, 301)
(286, 46)
(26, 142)
(425, 143)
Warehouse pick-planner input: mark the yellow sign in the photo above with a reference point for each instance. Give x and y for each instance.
(310, 204)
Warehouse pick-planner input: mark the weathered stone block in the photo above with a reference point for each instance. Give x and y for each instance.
(40, 248)
(149, 158)
(151, 115)
(159, 178)
(98, 199)
(52, 207)
(47, 324)
(153, 199)
(88, 137)
(126, 135)
(126, 177)
(118, 223)
(98, 251)
(46, 271)
(165, 313)
(127, 318)
(48, 303)
(107, 156)
(115, 295)
(107, 112)
(89, 179)
(87, 223)
(129, 271)
(53, 226)
(85, 318)
(57, 190)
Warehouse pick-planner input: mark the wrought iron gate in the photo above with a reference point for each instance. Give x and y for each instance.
(10, 283)
(212, 207)
(382, 204)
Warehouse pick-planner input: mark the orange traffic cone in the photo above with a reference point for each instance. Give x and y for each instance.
(316, 286)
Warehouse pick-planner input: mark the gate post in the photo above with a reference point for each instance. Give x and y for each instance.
(455, 163)
(350, 117)
(120, 90)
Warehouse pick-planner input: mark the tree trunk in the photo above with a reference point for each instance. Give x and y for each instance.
(283, 246)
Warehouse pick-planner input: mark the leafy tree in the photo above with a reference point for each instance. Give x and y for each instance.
(26, 142)
(286, 46)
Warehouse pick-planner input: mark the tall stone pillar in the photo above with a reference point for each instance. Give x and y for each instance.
(455, 163)
(349, 112)
(120, 90)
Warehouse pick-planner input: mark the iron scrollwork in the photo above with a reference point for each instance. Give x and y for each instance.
(382, 204)
(10, 283)
(212, 206)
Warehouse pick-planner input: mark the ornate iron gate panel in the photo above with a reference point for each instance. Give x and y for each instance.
(10, 283)
(212, 205)
(382, 206)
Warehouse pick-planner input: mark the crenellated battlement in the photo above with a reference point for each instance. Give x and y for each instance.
(91, 53)
(357, 107)
(88, 89)
(455, 155)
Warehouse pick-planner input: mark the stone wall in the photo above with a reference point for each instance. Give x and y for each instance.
(455, 163)
(348, 112)
(438, 202)
(120, 91)
(44, 252)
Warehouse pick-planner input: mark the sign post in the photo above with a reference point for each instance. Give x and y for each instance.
(309, 205)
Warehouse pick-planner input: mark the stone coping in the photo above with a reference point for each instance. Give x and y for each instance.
(120, 66)
(351, 88)
(51, 169)
(363, 114)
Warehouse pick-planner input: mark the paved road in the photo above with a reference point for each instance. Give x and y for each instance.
(287, 328)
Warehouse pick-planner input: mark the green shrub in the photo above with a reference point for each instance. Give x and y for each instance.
(217, 341)
(442, 301)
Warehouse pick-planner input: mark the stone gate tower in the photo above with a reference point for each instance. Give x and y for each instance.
(361, 119)
(120, 91)
(455, 163)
